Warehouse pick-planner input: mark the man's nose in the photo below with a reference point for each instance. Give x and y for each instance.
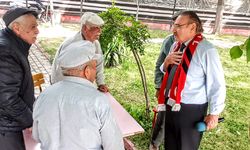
(99, 30)
(37, 31)
(173, 29)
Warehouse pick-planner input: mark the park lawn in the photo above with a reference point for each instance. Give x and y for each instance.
(125, 85)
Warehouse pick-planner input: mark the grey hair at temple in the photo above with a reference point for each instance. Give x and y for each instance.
(193, 19)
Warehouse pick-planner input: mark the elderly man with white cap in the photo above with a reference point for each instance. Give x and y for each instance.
(90, 31)
(72, 114)
(16, 84)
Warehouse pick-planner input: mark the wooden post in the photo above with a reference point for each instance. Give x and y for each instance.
(219, 15)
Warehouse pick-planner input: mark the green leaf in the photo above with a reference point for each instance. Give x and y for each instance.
(248, 49)
(242, 46)
(235, 52)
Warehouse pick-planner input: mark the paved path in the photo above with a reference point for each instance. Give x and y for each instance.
(39, 63)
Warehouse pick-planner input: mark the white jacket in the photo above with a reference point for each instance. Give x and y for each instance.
(73, 115)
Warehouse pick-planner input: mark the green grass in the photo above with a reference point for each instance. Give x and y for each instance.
(50, 45)
(125, 85)
(158, 33)
(231, 38)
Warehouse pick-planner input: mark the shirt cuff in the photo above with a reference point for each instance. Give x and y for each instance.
(161, 68)
(216, 110)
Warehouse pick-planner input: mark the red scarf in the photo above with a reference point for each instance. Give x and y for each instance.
(179, 79)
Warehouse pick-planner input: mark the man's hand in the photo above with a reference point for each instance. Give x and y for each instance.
(157, 92)
(172, 58)
(29, 130)
(103, 88)
(211, 121)
(153, 147)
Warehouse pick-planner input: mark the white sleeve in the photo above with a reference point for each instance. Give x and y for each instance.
(161, 68)
(35, 134)
(56, 74)
(110, 133)
(100, 65)
(215, 82)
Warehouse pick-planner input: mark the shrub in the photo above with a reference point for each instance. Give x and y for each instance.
(120, 33)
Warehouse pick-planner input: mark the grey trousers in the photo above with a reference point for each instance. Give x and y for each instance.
(12, 140)
(158, 131)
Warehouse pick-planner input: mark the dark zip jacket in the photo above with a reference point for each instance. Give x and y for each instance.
(16, 84)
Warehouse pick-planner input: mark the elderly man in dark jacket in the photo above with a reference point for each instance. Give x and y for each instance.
(16, 85)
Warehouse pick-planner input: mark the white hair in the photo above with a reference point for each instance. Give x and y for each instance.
(20, 20)
(68, 71)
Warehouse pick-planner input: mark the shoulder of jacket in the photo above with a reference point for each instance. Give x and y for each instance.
(6, 48)
(205, 44)
(6, 45)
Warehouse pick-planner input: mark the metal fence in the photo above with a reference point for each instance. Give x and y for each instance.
(150, 12)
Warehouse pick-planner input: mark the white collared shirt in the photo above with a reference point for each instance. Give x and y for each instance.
(205, 79)
(73, 115)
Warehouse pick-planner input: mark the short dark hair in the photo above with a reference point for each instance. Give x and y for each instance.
(175, 15)
(195, 19)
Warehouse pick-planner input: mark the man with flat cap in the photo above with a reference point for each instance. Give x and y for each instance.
(16, 84)
(90, 31)
(72, 114)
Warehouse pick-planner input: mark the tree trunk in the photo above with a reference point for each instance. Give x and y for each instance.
(143, 78)
(219, 15)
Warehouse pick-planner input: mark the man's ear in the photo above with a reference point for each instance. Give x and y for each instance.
(193, 27)
(16, 28)
(84, 28)
(87, 72)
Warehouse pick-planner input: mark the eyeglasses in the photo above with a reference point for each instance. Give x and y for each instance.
(178, 26)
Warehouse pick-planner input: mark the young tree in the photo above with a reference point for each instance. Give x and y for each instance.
(121, 32)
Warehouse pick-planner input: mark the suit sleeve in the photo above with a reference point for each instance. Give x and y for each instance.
(165, 48)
